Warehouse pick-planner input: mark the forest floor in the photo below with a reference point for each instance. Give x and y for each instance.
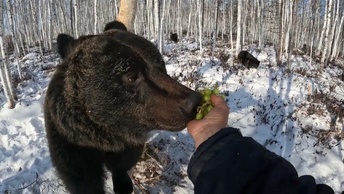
(296, 113)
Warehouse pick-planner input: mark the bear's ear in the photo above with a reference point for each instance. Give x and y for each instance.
(64, 44)
(115, 25)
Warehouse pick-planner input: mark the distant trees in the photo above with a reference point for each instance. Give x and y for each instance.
(317, 24)
(37, 22)
(5, 73)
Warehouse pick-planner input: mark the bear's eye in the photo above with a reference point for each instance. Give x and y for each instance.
(132, 77)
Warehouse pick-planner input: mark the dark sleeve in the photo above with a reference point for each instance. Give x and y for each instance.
(229, 163)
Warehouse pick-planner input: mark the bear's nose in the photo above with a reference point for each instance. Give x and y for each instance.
(193, 100)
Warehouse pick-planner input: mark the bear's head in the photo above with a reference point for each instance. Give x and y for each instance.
(118, 78)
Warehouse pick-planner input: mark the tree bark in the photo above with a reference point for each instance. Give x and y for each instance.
(215, 29)
(127, 12)
(5, 73)
(238, 37)
(326, 39)
(200, 24)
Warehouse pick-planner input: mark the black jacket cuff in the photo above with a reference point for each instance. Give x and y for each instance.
(201, 157)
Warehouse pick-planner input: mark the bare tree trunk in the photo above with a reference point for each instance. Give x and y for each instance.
(75, 11)
(243, 22)
(95, 17)
(338, 34)
(161, 27)
(320, 42)
(189, 20)
(326, 40)
(200, 24)
(49, 25)
(259, 24)
(281, 32)
(223, 20)
(127, 12)
(289, 30)
(231, 26)
(5, 73)
(215, 29)
(156, 19)
(238, 39)
(14, 38)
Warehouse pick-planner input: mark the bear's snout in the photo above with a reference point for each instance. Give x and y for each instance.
(190, 107)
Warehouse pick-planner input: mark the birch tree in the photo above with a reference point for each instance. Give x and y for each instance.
(5, 73)
(191, 4)
(336, 42)
(161, 27)
(238, 39)
(75, 12)
(231, 26)
(335, 26)
(281, 11)
(289, 30)
(200, 4)
(215, 29)
(260, 7)
(326, 39)
(320, 42)
(95, 17)
(127, 11)
(13, 36)
(156, 19)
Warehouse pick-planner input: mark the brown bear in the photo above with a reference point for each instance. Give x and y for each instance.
(248, 59)
(105, 96)
(174, 37)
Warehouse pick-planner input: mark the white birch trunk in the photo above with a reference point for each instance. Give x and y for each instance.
(4, 70)
(95, 30)
(75, 10)
(288, 33)
(49, 25)
(189, 20)
(215, 29)
(14, 38)
(156, 20)
(200, 25)
(238, 38)
(337, 41)
(281, 32)
(326, 39)
(161, 27)
(223, 20)
(231, 27)
(320, 42)
(41, 31)
(243, 22)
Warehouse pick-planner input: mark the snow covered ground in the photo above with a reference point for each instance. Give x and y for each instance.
(297, 114)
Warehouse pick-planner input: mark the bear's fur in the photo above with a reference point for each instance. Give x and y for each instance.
(109, 91)
(248, 60)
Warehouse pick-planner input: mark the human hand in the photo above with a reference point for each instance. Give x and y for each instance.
(216, 119)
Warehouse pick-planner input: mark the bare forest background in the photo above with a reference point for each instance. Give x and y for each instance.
(313, 27)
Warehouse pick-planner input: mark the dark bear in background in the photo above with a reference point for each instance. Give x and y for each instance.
(109, 91)
(248, 60)
(174, 37)
(115, 25)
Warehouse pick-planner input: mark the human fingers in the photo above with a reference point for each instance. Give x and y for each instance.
(220, 107)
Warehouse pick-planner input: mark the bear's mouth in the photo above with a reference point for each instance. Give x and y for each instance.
(178, 123)
(189, 115)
